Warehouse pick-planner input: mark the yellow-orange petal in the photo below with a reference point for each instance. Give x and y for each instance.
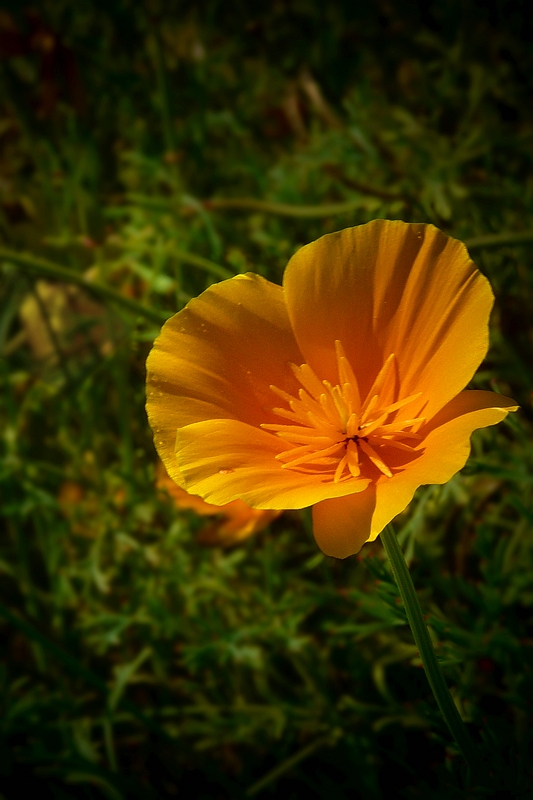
(391, 287)
(341, 526)
(446, 449)
(223, 459)
(217, 358)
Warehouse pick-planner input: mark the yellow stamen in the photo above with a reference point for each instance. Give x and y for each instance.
(380, 380)
(374, 458)
(347, 378)
(307, 378)
(337, 435)
(340, 468)
(305, 458)
(353, 459)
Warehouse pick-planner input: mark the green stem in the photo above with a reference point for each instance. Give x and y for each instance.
(248, 204)
(422, 639)
(291, 762)
(499, 239)
(203, 263)
(41, 266)
(284, 209)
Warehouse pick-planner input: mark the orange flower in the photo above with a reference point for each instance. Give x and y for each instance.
(341, 390)
(236, 520)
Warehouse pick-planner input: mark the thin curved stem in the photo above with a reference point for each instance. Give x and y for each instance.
(431, 665)
(188, 204)
(499, 239)
(48, 269)
(283, 209)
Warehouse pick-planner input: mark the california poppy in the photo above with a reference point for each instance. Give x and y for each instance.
(341, 389)
(232, 523)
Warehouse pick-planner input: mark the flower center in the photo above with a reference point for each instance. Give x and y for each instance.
(334, 432)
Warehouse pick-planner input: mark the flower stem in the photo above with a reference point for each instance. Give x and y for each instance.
(431, 665)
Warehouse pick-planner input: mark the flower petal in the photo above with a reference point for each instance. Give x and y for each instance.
(446, 449)
(223, 459)
(391, 287)
(341, 526)
(216, 359)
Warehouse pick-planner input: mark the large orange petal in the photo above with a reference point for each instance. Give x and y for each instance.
(223, 459)
(391, 287)
(446, 451)
(216, 359)
(341, 526)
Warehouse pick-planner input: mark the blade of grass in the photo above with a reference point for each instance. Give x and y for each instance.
(77, 668)
(203, 263)
(251, 204)
(284, 209)
(499, 239)
(41, 266)
(289, 763)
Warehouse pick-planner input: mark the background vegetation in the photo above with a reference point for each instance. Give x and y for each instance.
(148, 149)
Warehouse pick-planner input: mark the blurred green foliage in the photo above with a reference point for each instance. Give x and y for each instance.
(146, 150)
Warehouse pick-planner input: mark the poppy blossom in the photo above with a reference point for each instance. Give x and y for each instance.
(343, 389)
(234, 521)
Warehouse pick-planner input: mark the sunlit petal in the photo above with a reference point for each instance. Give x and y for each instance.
(445, 451)
(342, 525)
(217, 358)
(391, 287)
(224, 459)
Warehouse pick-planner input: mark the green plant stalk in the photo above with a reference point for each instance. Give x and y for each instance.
(430, 663)
(499, 239)
(48, 269)
(204, 263)
(284, 209)
(288, 764)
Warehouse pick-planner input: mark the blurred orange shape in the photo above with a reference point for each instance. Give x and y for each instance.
(235, 521)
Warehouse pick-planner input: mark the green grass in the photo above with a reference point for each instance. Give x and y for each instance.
(146, 151)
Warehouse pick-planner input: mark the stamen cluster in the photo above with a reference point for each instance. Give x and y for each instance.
(333, 431)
